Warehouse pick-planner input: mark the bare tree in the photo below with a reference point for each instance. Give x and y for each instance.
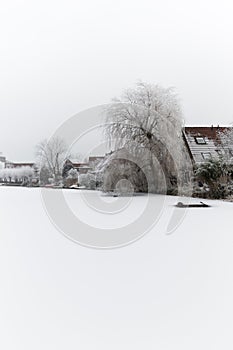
(52, 154)
(150, 117)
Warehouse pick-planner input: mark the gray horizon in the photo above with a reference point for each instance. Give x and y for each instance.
(58, 59)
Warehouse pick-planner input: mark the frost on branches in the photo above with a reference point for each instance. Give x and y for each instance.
(147, 123)
(18, 175)
(217, 174)
(118, 166)
(227, 144)
(71, 178)
(51, 157)
(87, 180)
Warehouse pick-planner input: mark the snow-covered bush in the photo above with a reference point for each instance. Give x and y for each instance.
(68, 165)
(88, 180)
(72, 174)
(217, 174)
(71, 178)
(227, 143)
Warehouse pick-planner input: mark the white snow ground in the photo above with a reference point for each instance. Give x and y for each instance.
(161, 292)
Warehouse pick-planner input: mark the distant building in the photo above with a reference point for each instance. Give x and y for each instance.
(81, 167)
(2, 161)
(20, 174)
(11, 165)
(95, 159)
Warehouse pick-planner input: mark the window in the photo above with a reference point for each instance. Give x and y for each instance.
(206, 155)
(200, 140)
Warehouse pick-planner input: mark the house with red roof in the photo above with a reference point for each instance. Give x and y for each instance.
(204, 142)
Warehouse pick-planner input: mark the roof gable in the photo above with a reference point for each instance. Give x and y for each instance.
(203, 142)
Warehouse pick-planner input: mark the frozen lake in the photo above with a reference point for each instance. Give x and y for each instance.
(160, 292)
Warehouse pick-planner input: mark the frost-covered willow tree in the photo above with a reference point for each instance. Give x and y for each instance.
(147, 122)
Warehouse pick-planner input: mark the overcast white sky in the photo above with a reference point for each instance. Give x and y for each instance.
(60, 57)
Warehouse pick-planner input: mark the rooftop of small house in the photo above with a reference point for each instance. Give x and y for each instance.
(204, 142)
(19, 165)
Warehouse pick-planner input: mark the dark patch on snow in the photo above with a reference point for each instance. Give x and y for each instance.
(196, 205)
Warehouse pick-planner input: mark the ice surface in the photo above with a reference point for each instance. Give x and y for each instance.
(161, 292)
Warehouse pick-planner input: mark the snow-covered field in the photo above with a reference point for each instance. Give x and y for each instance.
(161, 292)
